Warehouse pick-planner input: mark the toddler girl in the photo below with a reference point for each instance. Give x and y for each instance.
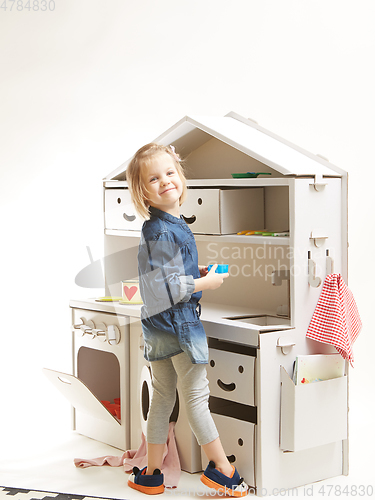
(171, 284)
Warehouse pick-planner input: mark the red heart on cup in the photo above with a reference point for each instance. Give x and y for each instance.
(130, 292)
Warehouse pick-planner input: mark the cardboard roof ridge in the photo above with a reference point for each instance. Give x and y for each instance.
(248, 137)
(317, 157)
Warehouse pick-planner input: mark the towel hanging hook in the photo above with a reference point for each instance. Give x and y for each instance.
(314, 280)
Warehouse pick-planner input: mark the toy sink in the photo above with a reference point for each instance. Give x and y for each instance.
(264, 320)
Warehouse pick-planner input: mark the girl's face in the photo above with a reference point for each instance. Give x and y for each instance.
(163, 184)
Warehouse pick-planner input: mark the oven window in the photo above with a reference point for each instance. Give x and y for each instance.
(100, 371)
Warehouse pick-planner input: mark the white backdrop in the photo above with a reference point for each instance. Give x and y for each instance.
(84, 85)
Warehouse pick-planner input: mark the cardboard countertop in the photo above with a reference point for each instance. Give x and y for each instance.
(213, 313)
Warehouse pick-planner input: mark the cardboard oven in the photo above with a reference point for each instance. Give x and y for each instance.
(106, 407)
(101, 377)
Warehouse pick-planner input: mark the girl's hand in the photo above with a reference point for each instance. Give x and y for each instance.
(203, 270)
(210, 280)
(213, 279)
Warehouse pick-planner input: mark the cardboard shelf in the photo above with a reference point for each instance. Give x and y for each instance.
(215, 182)
(239, 238)
(238, 183)
(224, 238)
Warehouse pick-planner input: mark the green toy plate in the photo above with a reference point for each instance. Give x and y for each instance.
(249, 175)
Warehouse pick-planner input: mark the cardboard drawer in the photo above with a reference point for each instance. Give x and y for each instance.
(224, 211)
(312, 414)
(231, 376)
(238, 444)
(119, 212)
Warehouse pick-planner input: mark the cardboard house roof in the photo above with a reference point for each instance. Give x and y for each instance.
(247, 136)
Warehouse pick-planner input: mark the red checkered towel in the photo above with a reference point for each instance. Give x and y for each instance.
(336, 320)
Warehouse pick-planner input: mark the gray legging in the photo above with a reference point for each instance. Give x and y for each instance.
(195, 391)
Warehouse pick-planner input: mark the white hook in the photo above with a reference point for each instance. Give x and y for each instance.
(314, 281)
(329, 263)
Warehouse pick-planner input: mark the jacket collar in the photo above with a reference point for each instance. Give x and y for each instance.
(164, 215)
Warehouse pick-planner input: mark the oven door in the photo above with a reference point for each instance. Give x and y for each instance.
(80, 396)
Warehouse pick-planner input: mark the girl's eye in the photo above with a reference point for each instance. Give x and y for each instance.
(171, 172)
(153, 179)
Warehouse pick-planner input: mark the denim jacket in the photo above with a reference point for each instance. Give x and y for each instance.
(167, 267)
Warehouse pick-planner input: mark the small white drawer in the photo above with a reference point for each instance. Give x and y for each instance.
(224, 211)
(119, 211)
(238, 444)
(231, 376)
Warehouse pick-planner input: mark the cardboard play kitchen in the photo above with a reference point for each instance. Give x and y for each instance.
(278, 434)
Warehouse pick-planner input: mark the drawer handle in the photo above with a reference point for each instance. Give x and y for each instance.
(286, 345)
(226, 387)
(64, 380)
(189, 220)
(129, 218)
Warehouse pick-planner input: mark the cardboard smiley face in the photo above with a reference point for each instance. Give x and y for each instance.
(238, 444)
(119, 211)
(231, 376)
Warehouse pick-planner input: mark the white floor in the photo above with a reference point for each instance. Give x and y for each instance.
(39, 454)
(48, 466)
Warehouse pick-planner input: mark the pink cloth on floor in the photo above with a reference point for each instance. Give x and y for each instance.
(171, 467)
(336, 320)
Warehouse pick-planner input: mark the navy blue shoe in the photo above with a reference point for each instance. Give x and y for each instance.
(233, 485)
(146, 483)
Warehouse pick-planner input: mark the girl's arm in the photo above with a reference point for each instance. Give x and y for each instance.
(210, 281)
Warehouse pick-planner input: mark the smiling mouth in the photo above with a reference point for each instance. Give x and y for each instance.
(167, 190)
(189, 220)
(129, 218)
(226, 387)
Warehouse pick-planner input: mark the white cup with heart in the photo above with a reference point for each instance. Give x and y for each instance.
(130, 292)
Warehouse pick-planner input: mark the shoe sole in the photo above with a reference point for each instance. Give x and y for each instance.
(223, 489)
(149, 490)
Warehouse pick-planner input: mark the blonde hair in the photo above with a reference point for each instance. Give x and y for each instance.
(142, 158)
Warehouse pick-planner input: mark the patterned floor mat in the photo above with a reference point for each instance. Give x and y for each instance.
(22, 494)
